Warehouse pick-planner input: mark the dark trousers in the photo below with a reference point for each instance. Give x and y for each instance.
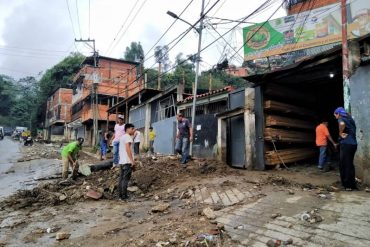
(124, 178)
(346, 167)
(136, 148)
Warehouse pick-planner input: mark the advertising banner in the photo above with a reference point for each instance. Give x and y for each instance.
(317, 27)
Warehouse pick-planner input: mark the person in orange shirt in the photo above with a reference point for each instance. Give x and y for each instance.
(322, 137)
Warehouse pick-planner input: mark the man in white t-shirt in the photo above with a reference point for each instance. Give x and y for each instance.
(137, 140)
(126, 160)
(119, 130)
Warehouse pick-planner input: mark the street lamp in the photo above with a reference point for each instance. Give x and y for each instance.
(197, 59)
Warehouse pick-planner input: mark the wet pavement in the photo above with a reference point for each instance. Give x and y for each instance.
(9, 153)
(21, 175)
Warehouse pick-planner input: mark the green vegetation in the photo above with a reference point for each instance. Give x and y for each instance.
(24, 100)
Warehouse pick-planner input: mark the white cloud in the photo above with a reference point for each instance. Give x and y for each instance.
(46, 25)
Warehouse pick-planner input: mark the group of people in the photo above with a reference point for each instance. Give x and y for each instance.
(347, 147)
(124, 138)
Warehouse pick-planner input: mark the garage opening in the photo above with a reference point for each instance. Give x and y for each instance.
(293, 103)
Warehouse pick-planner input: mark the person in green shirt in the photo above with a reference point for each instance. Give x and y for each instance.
(69, 157)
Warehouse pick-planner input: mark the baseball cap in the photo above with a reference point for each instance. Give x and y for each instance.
(121, 116)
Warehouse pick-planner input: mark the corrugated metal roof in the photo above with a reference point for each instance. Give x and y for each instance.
(225, 89)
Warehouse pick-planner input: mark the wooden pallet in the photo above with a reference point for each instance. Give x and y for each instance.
(281, 135)
(287, 108)
(273, 120)
(288, 155)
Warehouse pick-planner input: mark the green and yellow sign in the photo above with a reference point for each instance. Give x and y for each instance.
(305, 30)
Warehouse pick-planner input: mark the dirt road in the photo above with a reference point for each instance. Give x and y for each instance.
(206, 204)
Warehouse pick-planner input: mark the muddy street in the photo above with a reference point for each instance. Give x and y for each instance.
(18, 172)
(9, 153)
(206, 204)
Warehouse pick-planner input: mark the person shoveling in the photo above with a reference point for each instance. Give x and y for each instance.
(70, 157)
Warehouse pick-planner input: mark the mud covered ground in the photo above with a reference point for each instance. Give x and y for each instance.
(163, 209)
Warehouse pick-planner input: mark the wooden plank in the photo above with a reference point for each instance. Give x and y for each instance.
(281, 135)
(288, 155)
(273, 120)
(287, 108)
(288, 93)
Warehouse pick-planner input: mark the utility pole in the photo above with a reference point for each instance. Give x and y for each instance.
(197, 60)
(94, 91)
(345, 60)
(200, 29)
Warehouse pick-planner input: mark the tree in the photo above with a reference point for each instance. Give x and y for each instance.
(134, 53)
(7, 93)
(161, 56)
(184, 71)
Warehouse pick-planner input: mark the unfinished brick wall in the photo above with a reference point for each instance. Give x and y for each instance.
(61, 99)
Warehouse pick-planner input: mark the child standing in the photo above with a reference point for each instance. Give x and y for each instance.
(126, 160)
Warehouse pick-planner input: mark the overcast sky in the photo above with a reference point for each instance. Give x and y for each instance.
(37, 34)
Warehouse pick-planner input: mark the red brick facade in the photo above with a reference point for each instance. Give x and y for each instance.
(58, 109)
(309, 4)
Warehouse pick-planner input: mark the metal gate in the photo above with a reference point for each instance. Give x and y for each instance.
(165, 130)
(236, 141)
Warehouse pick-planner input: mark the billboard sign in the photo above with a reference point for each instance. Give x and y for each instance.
(305, 30)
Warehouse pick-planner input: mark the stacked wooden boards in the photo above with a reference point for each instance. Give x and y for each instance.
(288, 125)
(288, 155)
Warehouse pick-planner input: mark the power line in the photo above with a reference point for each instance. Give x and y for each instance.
(89, 17)
(70, 17)
(227, 43)
(30, 56)
(124, 23)
(78, 19)
(179, 38)
(29, 49)
(187, 6)
(247, 40)
(129, 25)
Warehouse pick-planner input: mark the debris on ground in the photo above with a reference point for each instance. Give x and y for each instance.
(62, 235)
(160, 207)
(152, 176)
(209, 213)
(276, 215)
(312, 216)
(278, 242)
(278, 180)
(94, 194)
(290, 192)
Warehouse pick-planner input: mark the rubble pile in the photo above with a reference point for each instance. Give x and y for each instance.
(151, 175)
(40, 150)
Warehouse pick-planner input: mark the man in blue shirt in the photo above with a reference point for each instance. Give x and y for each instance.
(348, 147)
(183, 138)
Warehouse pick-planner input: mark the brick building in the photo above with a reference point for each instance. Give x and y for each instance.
(58, 114)
(296, 6)
(114, 80)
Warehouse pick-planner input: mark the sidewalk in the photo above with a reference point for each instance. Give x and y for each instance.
(346, 220)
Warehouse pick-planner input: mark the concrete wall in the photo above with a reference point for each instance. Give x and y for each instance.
(360, 104)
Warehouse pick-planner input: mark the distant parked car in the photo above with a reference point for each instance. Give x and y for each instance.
(8, 131)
